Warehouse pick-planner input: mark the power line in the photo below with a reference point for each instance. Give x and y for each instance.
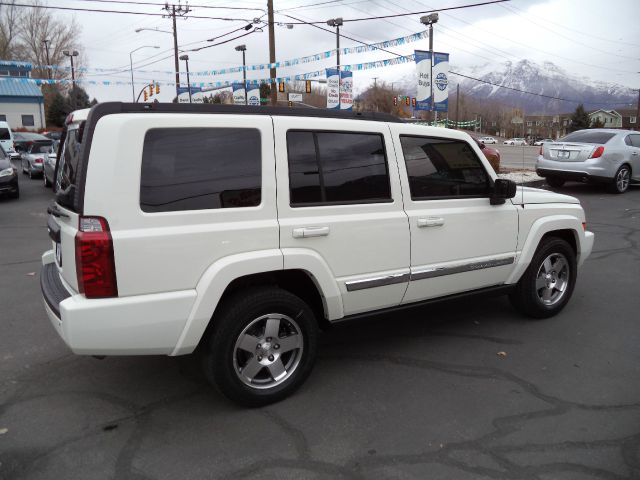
(395, 15)
(127, 12)
(132, 2)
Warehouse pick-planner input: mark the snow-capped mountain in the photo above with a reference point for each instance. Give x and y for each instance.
(546, 80)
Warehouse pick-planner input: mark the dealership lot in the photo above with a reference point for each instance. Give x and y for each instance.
(465, 390)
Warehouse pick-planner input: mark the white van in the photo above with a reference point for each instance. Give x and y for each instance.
(6, 139)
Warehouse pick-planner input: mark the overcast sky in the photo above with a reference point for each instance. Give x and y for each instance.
(588, 38)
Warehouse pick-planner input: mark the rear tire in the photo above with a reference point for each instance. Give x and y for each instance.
(555, 182)
(262, 346)
(547, 284)
(621, 180)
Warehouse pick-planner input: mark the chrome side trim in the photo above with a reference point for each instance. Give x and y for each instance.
(422, 273)
(377, 281)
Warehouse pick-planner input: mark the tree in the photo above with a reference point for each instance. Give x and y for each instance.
(265, 92)
(596, 123)
(579, 119)
(58, 110)
(10, 26)
(78, 98)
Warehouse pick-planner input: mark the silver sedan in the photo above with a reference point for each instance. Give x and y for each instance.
(599, 155)
(33, 159)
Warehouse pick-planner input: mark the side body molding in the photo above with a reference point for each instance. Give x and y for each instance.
(538, 229)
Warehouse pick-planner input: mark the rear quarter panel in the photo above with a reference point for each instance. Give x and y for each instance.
(169, 251)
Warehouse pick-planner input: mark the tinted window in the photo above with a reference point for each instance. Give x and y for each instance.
(41, 148)
(27, 120)
(337, 168)
(200, 168)
(4, 134)
(443, 168)
(67, 170)
(635, 140)
(3, 118)
(586, 136)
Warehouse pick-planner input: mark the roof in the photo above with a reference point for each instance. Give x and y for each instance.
(13, 63)
(19, 87)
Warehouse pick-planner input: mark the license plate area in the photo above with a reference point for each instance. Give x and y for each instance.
(564, 154)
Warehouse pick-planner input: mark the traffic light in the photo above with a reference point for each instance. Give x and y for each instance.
(145, 95)
(151, 90)
(407, 101)
(395, 101)
(307, 86)
(157, 88)
(281, 87)
(413, 102)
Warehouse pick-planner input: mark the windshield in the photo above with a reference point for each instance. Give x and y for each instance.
(5, 134)
(587, 136)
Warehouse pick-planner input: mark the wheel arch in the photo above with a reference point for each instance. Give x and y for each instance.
(310, 280)
(567, 227)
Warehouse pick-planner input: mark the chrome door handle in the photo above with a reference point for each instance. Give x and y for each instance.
(634, 153)
(306, 232)
(430, 222)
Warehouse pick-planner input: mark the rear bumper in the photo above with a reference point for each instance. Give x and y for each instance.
(137, 325)
(592, 170)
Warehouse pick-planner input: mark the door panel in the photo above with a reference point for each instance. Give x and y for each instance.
(459, 242)
(366, 245)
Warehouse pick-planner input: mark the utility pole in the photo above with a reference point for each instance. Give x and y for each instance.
(272, 53)
(173, 11)
(375, 83)
(46, 49)
(638, 111)
(337, 22)
(457, 104)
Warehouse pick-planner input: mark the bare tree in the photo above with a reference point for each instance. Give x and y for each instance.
(38, 25)
(10, 25)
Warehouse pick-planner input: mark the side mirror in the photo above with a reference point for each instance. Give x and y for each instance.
(502, 189)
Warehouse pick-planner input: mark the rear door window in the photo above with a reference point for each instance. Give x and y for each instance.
(68, 168)
(200, 168)
(588, 137)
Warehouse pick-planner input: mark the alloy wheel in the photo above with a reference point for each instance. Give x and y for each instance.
(552, 279)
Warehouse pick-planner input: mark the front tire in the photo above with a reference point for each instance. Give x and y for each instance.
(547, 284)
(262, 346)
(621, 180)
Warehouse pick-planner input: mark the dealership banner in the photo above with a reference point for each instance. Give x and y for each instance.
(333, 88)
(183, 94)
(253, 93)
(239, 93)
(346, 90)
(423, 71)
(441, 82)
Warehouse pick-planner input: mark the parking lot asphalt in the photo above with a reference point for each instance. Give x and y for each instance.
(462, 390)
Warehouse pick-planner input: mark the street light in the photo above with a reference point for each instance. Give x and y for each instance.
(429, 20)
(337, 22)
(186, 59)
(175, 48)
(243, 49)
(73, 74)
(133, 91)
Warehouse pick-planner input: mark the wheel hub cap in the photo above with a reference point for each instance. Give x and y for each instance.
(552, 279)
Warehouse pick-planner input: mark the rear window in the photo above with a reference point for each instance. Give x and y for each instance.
(5, 134)
(41, 148)
(67, 170)
(200, 168)
(586, 136)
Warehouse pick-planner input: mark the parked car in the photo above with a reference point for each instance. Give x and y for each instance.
(600, 155)
(309, 217)
(53, 135)
(6, 140)
(8, 176)
(33, 159)
(49, 168)
(538, 143)
(488, 140)
(23, 140)
(491, 154)
(515, 141)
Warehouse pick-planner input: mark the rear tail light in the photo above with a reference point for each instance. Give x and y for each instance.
(584, 226)
(39, 160)
(95, 265)
(597, 153)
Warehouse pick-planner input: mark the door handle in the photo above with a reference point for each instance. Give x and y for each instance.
(306, 232)
(430, 222)
(634, 153)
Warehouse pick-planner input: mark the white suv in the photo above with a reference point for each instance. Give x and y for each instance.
(241, 230)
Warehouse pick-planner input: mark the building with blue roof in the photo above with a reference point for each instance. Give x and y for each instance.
(21, 100)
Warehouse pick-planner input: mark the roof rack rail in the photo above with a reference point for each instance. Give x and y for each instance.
(121, 107)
